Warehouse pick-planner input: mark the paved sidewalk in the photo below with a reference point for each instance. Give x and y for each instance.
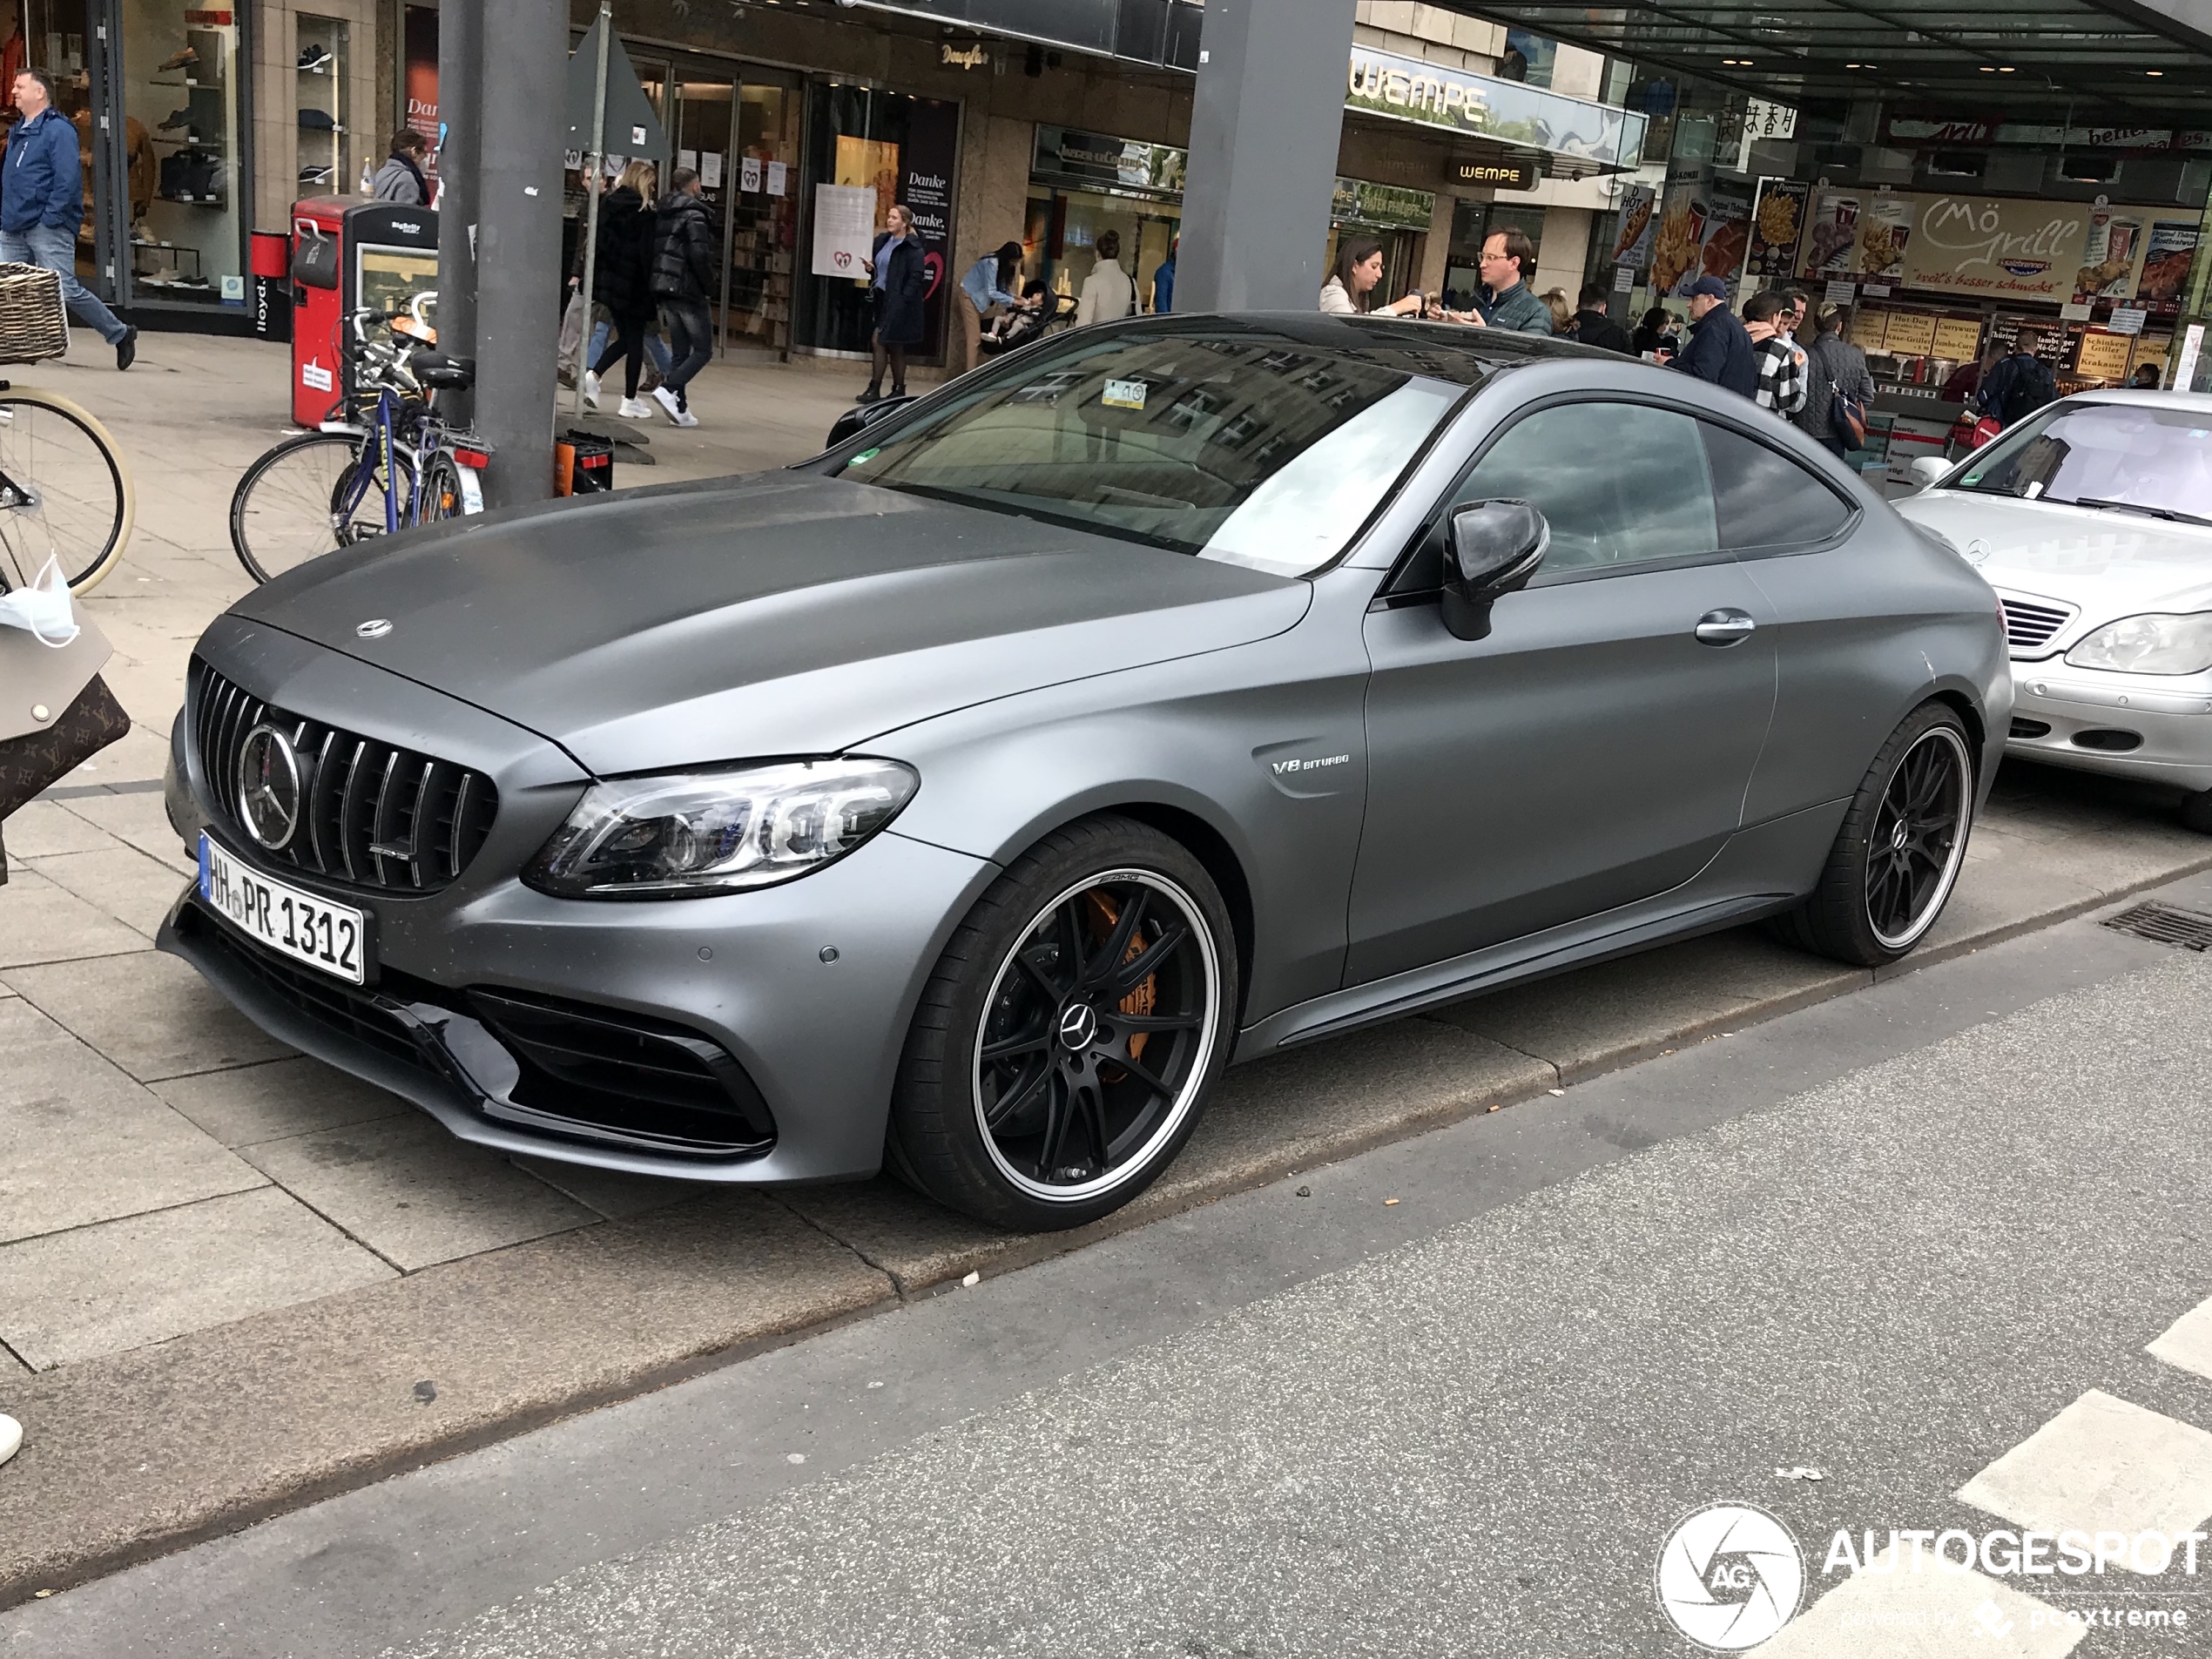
(231, 1279)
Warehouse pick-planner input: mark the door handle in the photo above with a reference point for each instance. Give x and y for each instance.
(1725, 627)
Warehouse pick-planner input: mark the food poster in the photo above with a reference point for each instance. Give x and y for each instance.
(1632, 246)
(1680, 237)
(1778, 223)
(2168, 251)
(1705, 231)
(1884, 227)
(1831, 245)
(2110, 255)
(1728, 232)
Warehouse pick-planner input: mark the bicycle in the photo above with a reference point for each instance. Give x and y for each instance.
(395, 465)
(64, 492)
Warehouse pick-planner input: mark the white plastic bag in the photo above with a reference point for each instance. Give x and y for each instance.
(43, 609)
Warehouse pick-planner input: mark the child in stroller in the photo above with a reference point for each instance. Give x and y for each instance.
(1042, 310)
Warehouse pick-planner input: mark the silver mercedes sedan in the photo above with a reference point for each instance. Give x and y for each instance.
(1167, 694)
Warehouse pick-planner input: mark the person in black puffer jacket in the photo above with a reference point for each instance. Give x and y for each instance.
(622, 280)
(685, 247)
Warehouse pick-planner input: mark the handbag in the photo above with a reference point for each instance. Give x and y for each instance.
(1847, 419)
(1984, 429)
(29, 764)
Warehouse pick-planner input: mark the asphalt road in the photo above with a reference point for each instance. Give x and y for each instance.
(1889, 1238)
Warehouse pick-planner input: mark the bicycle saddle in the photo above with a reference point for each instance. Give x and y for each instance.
(446, 373)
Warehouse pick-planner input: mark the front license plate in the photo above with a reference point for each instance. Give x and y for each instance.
(331, 937)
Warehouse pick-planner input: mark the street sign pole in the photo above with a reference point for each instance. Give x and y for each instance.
(518, 241)
(593, 166)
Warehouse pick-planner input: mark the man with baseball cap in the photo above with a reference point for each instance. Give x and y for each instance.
(1719, 349)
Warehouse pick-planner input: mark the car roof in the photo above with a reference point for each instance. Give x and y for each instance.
(1457, 351)
(2196, 402)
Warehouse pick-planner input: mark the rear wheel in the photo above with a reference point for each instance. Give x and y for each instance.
(300, 501)
(1897, 855)
(1074, 1027)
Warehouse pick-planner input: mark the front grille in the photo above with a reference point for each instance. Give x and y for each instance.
(2030, 622)
(2165, 924)
(371, 815)
(602, 1069)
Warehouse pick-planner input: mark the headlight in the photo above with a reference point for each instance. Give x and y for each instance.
(2149, 646)
(689, 835)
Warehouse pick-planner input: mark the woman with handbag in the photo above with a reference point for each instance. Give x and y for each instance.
(1836, 380)
(55, 711)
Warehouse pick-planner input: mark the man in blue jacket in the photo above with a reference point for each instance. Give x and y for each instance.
(42, 203)
(1719, 348)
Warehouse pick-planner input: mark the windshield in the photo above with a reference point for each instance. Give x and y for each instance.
(1249, 449)
(2122, 457)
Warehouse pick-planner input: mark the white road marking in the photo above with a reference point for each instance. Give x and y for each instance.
(1926, 1615)
(2102, 1465)
(2187, 1342)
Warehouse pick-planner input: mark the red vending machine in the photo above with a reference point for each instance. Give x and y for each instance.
(346, 255)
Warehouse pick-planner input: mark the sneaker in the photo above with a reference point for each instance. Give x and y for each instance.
(669, 402)
(126, 350)
(590, 388)
(874, 394)
(685, 417)
(313, 58)
(179, 60)
(11, 1437)
(177, 118)
(636, 410)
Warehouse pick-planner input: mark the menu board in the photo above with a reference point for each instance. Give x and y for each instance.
(1909, 334)
(2104, 356)
(2151, 348)
(1958, 338)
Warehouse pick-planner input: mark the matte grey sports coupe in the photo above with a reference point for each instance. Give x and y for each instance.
(1169, 693)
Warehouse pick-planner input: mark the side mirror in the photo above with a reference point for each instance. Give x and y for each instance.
(857, 420)
(1926, 469)
(1494, 546)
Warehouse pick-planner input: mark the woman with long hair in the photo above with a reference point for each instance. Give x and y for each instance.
(622, 280)
(1360, 266)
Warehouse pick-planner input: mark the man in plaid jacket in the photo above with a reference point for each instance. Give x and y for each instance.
(1782, 373)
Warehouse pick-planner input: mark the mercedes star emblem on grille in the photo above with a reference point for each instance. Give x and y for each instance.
(269, 787)
(374, 627)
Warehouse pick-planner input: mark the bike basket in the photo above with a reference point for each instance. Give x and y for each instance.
(33, 325)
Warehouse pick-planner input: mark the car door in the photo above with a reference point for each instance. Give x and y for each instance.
(1595, 748)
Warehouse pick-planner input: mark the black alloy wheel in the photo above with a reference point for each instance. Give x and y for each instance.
(1919, 837)
(1068, 1039)
(1897, 855)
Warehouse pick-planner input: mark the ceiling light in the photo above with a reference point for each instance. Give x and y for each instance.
(1988, 69)
(2153, 73)
(2003, 69)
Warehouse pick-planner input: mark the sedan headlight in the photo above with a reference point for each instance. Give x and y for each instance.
(2151, 645)
(689, 835)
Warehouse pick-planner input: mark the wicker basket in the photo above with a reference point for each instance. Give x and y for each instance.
(34, 324)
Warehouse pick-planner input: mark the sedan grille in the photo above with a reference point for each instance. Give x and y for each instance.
(2030, 622)
(371, 815)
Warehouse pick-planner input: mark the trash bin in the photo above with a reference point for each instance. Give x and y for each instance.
(586, 464)
(271, 268)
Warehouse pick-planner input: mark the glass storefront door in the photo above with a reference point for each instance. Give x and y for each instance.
(182, 75)
(60, 37)
(764, 214)
(897, 148)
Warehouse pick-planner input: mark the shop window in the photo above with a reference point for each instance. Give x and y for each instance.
(867, 151)
(52, 35)
(763, 201)
(327, 145)
(180, 84)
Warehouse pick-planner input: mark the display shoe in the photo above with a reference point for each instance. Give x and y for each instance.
(313, 58)
(179, 60)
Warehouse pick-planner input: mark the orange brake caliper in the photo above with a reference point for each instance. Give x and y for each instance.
(1141, 1001)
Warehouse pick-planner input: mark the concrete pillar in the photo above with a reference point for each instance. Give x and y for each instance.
(518, 240)
(1265, 122)
(461, 67)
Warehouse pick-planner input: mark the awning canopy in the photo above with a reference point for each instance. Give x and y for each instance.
(2110, 62)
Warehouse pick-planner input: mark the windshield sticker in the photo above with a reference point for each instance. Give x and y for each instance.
(1124, 394)
(866, 455)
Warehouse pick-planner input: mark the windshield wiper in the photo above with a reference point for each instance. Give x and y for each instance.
(2166, 512)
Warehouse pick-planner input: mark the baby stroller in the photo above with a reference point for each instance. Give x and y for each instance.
(1057, 310)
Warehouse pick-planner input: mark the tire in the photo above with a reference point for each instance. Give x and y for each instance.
(63, 492)
(290, 506)
(1074, 1109)
(441, 495)
(1898, 856)
(2196, 813)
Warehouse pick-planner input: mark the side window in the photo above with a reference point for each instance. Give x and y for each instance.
(1768, 502)
(1622, 485)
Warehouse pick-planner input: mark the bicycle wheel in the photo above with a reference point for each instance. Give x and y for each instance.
(440, 496)
(300, 501)
(64, 493)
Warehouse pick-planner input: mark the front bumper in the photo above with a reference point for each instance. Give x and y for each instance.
(793, 1056)
(2154, 727)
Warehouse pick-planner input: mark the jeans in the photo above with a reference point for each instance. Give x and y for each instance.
(655, 349)
(691, 336)
(55, 249)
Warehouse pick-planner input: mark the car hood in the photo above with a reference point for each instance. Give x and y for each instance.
(2104, 562)
(782, 614)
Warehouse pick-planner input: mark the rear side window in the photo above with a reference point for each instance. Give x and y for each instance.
(1768, 502)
